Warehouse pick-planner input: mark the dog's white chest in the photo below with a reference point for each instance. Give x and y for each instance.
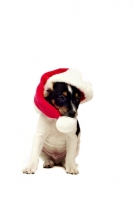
(55, 140)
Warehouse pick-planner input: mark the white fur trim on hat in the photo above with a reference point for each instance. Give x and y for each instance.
(72, 77)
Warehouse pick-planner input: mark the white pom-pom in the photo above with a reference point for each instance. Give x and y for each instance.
(66, 124)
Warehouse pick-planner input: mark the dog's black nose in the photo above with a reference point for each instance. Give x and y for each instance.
(71, 113)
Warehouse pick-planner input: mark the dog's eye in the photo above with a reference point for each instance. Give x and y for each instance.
(62, 98)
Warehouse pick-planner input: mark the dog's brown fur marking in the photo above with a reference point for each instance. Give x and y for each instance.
(76, 95)
(53, 101)
(62, 109)
(65, 93)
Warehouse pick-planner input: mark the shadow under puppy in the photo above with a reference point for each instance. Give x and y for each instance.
(53, 146)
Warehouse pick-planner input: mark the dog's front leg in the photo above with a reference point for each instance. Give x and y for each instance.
(34, 157)
(71, 149)
(36, 147)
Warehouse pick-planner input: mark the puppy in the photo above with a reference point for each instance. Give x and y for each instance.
(51, 145)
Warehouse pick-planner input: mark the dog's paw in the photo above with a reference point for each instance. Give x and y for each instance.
(48, 164)
(30, 169)
(72, 170)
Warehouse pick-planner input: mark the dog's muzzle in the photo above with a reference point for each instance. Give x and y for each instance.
(71, 114)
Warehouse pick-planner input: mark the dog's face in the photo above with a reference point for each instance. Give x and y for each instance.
(65, 98)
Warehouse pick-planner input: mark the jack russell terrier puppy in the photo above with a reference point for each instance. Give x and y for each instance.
(59, 94)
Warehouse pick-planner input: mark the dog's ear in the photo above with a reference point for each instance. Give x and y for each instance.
(47, 92)
(48, 95)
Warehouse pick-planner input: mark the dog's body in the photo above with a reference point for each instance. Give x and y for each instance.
(53, 146)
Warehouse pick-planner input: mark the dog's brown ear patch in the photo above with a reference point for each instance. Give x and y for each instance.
(48, 91)
(65, 93)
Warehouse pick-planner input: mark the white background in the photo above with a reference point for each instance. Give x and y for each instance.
(94, 36)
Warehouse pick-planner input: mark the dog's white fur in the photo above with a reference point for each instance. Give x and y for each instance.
(47, 137)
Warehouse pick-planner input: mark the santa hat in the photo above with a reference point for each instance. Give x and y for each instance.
(69, 76)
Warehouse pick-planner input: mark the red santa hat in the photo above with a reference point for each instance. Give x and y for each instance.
(69, 76)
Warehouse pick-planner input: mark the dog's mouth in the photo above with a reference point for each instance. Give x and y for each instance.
(70, 113)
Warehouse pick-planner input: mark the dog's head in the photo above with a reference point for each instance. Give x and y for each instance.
(65, 98)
